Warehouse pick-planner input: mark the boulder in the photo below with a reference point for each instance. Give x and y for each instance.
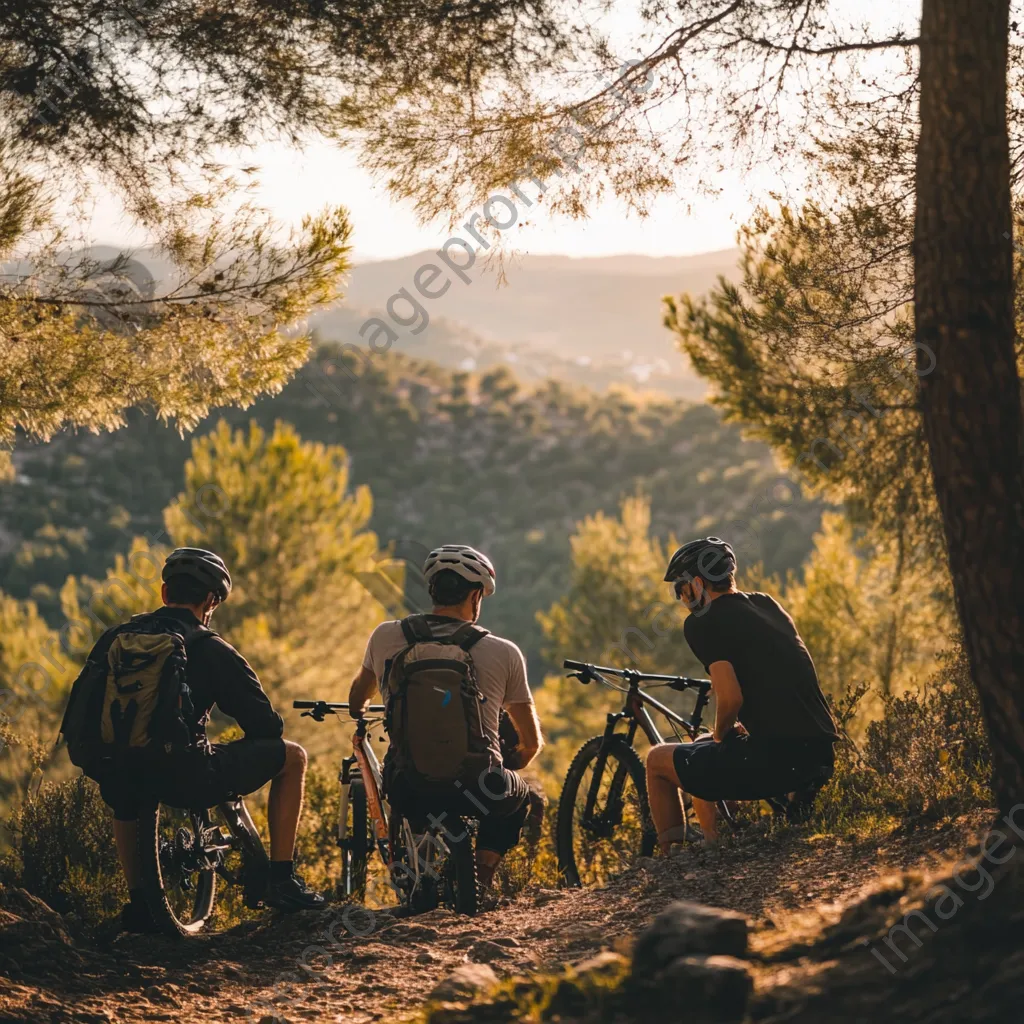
(685, 929)
(26, 920)
(465, 982)
(716, 987)
(484, 951)
(604, 965)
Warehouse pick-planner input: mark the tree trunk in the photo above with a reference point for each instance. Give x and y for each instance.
(970, 391)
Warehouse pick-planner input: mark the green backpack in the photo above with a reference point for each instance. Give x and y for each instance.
(434, 717)
(132, 694)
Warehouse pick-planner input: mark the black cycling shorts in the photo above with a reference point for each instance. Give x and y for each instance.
(499, 800)
(195, 779)
(742, 768)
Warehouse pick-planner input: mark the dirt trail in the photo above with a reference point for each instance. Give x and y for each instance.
(318, 972)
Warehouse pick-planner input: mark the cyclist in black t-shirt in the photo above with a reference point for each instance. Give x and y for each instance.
(762, 673)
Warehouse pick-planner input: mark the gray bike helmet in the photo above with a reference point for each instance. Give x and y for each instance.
(205, 566)
(711, 558)
(469, 563)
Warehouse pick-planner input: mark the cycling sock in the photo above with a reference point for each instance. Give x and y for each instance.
(281, 870)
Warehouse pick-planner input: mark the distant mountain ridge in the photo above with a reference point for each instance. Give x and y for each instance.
(596, 307)
(595, 321)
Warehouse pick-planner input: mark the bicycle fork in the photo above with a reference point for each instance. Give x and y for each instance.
(613, 802)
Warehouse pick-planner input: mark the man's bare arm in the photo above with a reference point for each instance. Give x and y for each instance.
(524, 718)
(728, 698)
(361, 691)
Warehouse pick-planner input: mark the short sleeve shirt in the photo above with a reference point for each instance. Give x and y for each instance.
(500, 668)
(782, 698)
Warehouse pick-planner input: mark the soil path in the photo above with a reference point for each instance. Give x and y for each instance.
(307, 967)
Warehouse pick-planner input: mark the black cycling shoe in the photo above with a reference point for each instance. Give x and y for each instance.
(293, 894)
(137, 920)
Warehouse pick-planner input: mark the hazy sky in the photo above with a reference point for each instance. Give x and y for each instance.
(294, 183)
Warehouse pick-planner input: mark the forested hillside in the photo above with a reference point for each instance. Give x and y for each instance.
(447, 456)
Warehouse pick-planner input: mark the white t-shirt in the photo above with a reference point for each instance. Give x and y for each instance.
(500, 668)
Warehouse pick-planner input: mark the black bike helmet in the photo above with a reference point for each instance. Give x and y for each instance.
(711, 558)
(204, 566)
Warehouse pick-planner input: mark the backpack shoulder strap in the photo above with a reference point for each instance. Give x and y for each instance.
(199, 632)
(469, 635)
(416, 630)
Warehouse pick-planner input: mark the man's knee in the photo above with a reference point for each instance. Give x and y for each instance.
(295, 758)
(661, 763)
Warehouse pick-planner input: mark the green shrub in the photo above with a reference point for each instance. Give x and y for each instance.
(928, 754)
(64, 851)
(317, 855)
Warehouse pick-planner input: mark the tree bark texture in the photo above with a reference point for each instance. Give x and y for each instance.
(970, 391)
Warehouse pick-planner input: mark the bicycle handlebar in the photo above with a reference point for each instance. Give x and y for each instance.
(319, 708)
(675, 682)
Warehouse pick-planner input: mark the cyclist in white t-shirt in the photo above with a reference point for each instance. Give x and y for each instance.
(458, 579)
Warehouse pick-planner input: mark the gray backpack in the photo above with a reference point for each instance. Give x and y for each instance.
(434, 707)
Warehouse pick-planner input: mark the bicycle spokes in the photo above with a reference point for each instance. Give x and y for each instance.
(605, 803)
(609, 819)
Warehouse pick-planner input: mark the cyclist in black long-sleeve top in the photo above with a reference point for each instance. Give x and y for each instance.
(195, 582)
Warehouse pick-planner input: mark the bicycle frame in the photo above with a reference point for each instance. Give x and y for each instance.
(636, 714)
(637, 700)
(373, 783)
(369, 769)
(371, 773)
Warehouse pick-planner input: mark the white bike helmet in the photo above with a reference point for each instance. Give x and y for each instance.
(469, 563)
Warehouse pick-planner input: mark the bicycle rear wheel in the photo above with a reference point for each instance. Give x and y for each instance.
(604, 824)
(179, 876)
(460, 888)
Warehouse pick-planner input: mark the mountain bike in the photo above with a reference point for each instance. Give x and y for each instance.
(611, 826)
(427, 865)
(182, 853)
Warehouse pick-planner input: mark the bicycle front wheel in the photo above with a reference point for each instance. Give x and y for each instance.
(356, 841)
(604, 823)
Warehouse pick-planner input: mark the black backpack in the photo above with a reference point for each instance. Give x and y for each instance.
(434, 717)
(132, 694)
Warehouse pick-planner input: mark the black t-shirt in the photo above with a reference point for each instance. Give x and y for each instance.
(218, 675)
(781, 695)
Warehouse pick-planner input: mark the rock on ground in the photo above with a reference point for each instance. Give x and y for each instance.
(465, 982)
(684, 929)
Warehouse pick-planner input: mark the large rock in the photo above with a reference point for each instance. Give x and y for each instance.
(465, 982)
(605, 964)
(24, 918)
(685, 929)
(715, 987)
(484, 951)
